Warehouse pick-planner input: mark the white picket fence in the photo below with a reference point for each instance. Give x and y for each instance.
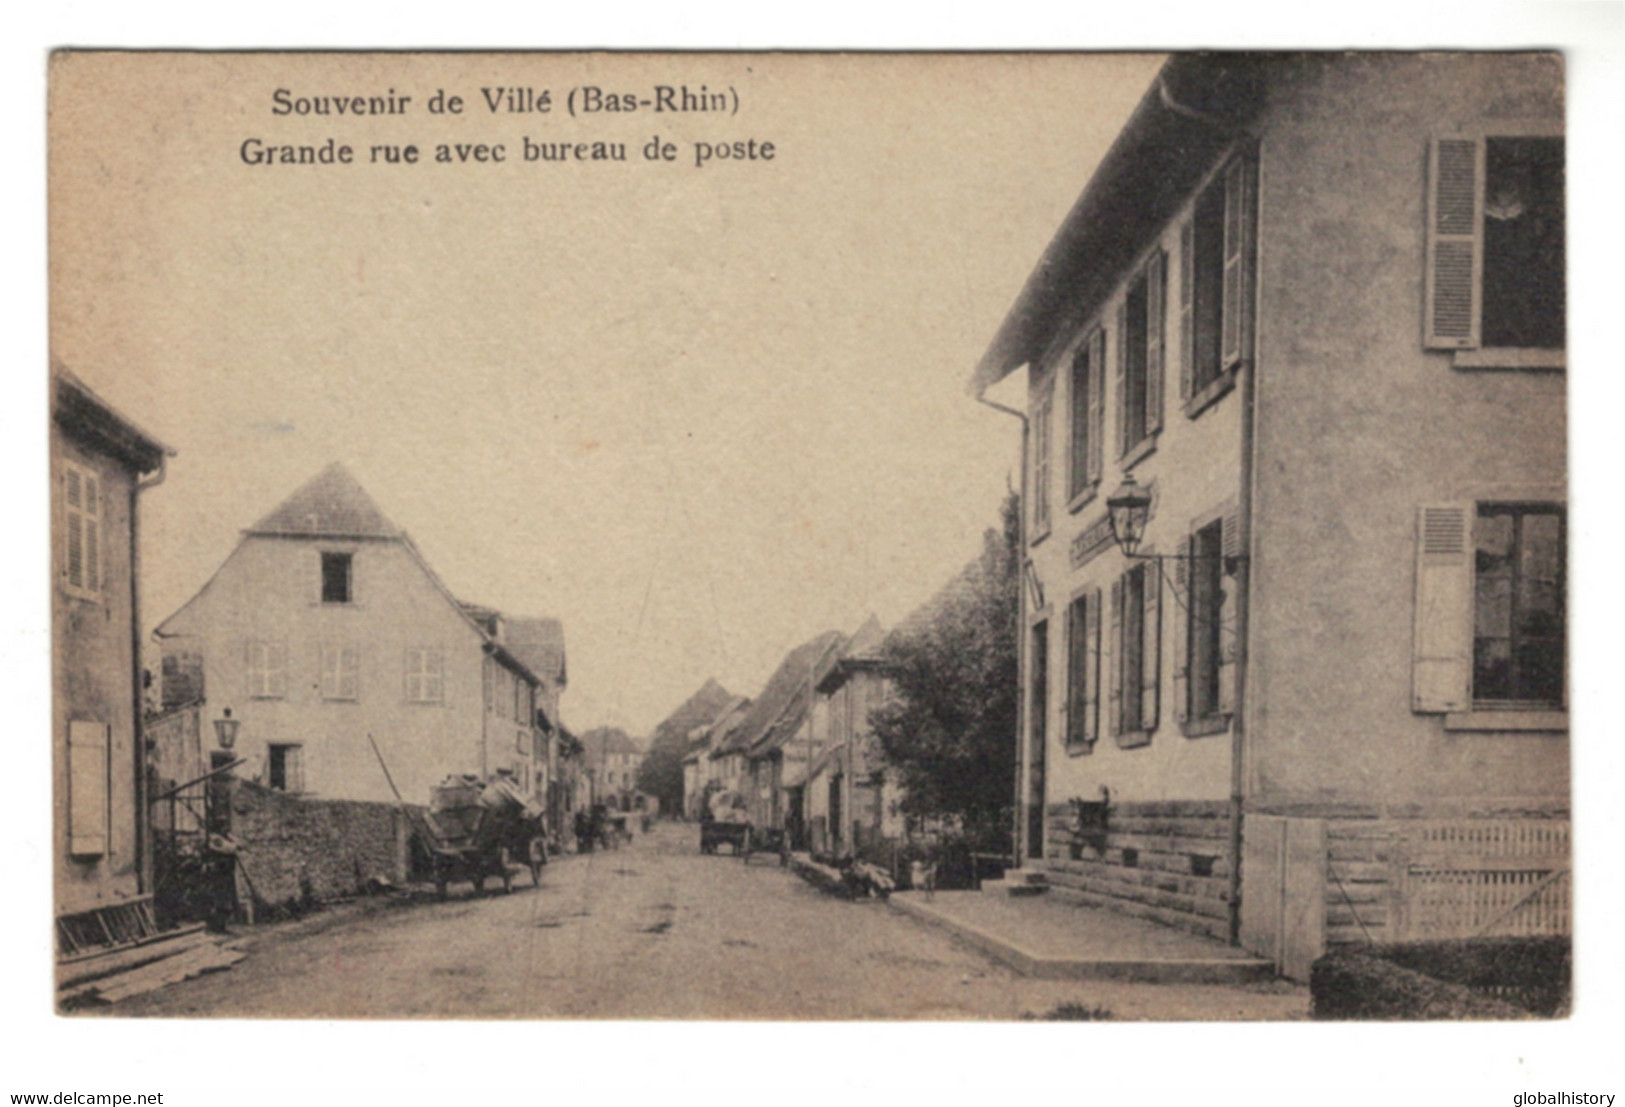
(1464, 878)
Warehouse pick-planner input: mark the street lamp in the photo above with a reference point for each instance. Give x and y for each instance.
(1129, 509)
(225, 730)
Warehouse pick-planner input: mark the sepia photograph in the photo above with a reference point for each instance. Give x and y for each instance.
(810, 536)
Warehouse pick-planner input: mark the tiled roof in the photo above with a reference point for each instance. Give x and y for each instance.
(777, 713)
(332, 504)
(539, 644)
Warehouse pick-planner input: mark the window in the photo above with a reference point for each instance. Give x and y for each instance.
(1139, 359)
(1496, 250)
(341, 671)
(336, 577)
(267, 666)
(1491, 613)
(1216, 287)
(1518, 606)
(1088, 384)
(1083, 672)
(1042, 409)
(425, 675)
(1204, 678)
(82, 522)
(285, 768)
(87, 788)
(1136, 644)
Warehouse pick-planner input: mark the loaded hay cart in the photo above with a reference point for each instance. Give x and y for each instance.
(724, 821)
(478, 829)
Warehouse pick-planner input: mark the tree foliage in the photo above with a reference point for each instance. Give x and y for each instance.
(950, 729)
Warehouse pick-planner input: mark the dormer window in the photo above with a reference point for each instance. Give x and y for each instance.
(337, 579)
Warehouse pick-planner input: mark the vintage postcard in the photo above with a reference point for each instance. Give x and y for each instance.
(810, 536)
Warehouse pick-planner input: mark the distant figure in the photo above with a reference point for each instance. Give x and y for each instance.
(583, 833)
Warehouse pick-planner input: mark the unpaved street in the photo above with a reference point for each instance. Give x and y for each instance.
(654, 930)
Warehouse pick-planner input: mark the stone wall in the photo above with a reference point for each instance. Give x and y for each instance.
(295, 850)
(1166, 861)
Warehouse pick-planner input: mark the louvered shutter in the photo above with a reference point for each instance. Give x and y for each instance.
(1151, 656)
(1237, 318)
(1187, 309)
(1114, 691)
(1455, 252)
(1156, 285)
(74, 520)
(1079, 405)
(1097, 404)
(1091, 669)
(1070, 637)
(1229, 641)
(1181, 634)
(87, 788)
(1120, 381)
(1442, 642)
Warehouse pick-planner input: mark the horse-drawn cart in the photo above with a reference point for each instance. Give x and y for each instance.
(477, 830)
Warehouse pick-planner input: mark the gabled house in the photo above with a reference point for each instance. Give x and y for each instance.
(539, 646)
(725, 752)
(612, 758)
(775, 737)
(326, 626)
(1312, 688)
(698, 764)
(851, 804)
(101, 464)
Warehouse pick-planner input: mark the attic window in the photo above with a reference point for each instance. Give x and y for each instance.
(336, 582)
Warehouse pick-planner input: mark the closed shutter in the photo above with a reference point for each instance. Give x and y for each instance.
(1079, 404)
(1151, 657)
(341, 667)
(1455, 254)
(1442, 641)
(1230, 545)
(1156, 284)
(87, 788)
(1115, 643)
(1120, 381)
(1072, 640)
(1187, 309)
(1237, 319)
(82, 521)
(1091, 669)
(1181, 634)
(1097, 404)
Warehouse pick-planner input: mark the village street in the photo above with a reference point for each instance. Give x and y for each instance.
(653, 930)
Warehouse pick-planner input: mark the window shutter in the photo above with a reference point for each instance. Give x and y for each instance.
(1455, 254)
(1187, 308)
(350, 672)
(1097, 403)
(1229, 640)
(1069, 717)
(1120, 381)
(1079, 403)
(1151, 664)
(87, 788)
(1156, 286)
(1091, 669)
(277, 655)
(1181, 634)
(1442, 642)
(1115, 642)
(1237, 320)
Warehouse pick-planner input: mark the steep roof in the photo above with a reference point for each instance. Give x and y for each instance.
(1196, 107)
(539, 643)
(700, 708)
(961, 586)
(862, 651)
(332, 504)
(719, 734)
(777, 713)
(88, 417)
(602, 741)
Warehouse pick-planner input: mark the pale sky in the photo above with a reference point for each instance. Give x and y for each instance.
(699, 414)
